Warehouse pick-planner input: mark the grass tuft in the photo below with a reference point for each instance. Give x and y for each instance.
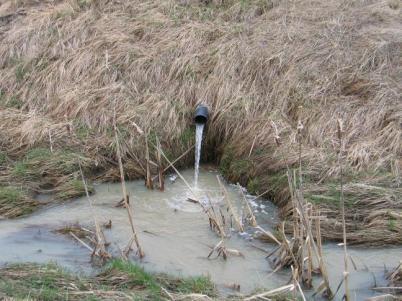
(15, 201)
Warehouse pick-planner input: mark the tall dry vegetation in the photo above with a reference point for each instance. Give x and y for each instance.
(63, 64)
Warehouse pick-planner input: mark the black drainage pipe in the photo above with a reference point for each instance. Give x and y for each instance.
(201, 114)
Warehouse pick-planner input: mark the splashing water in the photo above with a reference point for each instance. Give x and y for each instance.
(199, 129)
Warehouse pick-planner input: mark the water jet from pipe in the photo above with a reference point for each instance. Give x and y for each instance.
(200, 118)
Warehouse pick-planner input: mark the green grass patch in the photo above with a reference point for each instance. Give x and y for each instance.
(136, 276)
(50, 282)
(187, 137)
(82, 130)
(15, 201)
(20, 71)
(198, 285)
(330, 196)
(11, 194)
(226, 161)
(38, 154)
(392, 224)
(41, 162)
(72, 189)
(3, 158)
(253, 185)
(12, 102)
(23, 172)
(38, 282)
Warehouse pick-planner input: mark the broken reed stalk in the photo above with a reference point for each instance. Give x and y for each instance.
(50, 140)
(251, 218)
(296, 283)
(308, 281)
(269, 234)
(148, 180)
(278, 143)
(318, 232)
(100, 248)
(160, 168)
(342, 204)
(140, 252)
(252, 147)
(274, 292)
(230, 206)
(175, 160)
(81, 242)
(181, 177)
(216, 223)
(395, 277)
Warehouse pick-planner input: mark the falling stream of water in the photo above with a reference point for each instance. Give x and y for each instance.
(198, 143)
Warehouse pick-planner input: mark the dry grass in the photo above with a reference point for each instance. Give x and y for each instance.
(64, 65)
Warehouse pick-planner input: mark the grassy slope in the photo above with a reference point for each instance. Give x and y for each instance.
(65, 68)
(119, 281)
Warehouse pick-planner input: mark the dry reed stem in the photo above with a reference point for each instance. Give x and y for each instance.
(82, 242)
(342, 204)
(140, 252)
(296, 284)
(274, 292)
(269, 234)
(251, 218)
(239, 225)
(175, 161)
(100, 248)
(160, 167)
(148, 179)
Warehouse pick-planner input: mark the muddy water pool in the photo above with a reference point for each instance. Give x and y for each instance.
(176, 237)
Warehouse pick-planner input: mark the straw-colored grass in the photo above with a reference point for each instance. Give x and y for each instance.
(64, 64)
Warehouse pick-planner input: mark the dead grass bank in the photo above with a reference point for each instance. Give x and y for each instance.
(66, 66)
